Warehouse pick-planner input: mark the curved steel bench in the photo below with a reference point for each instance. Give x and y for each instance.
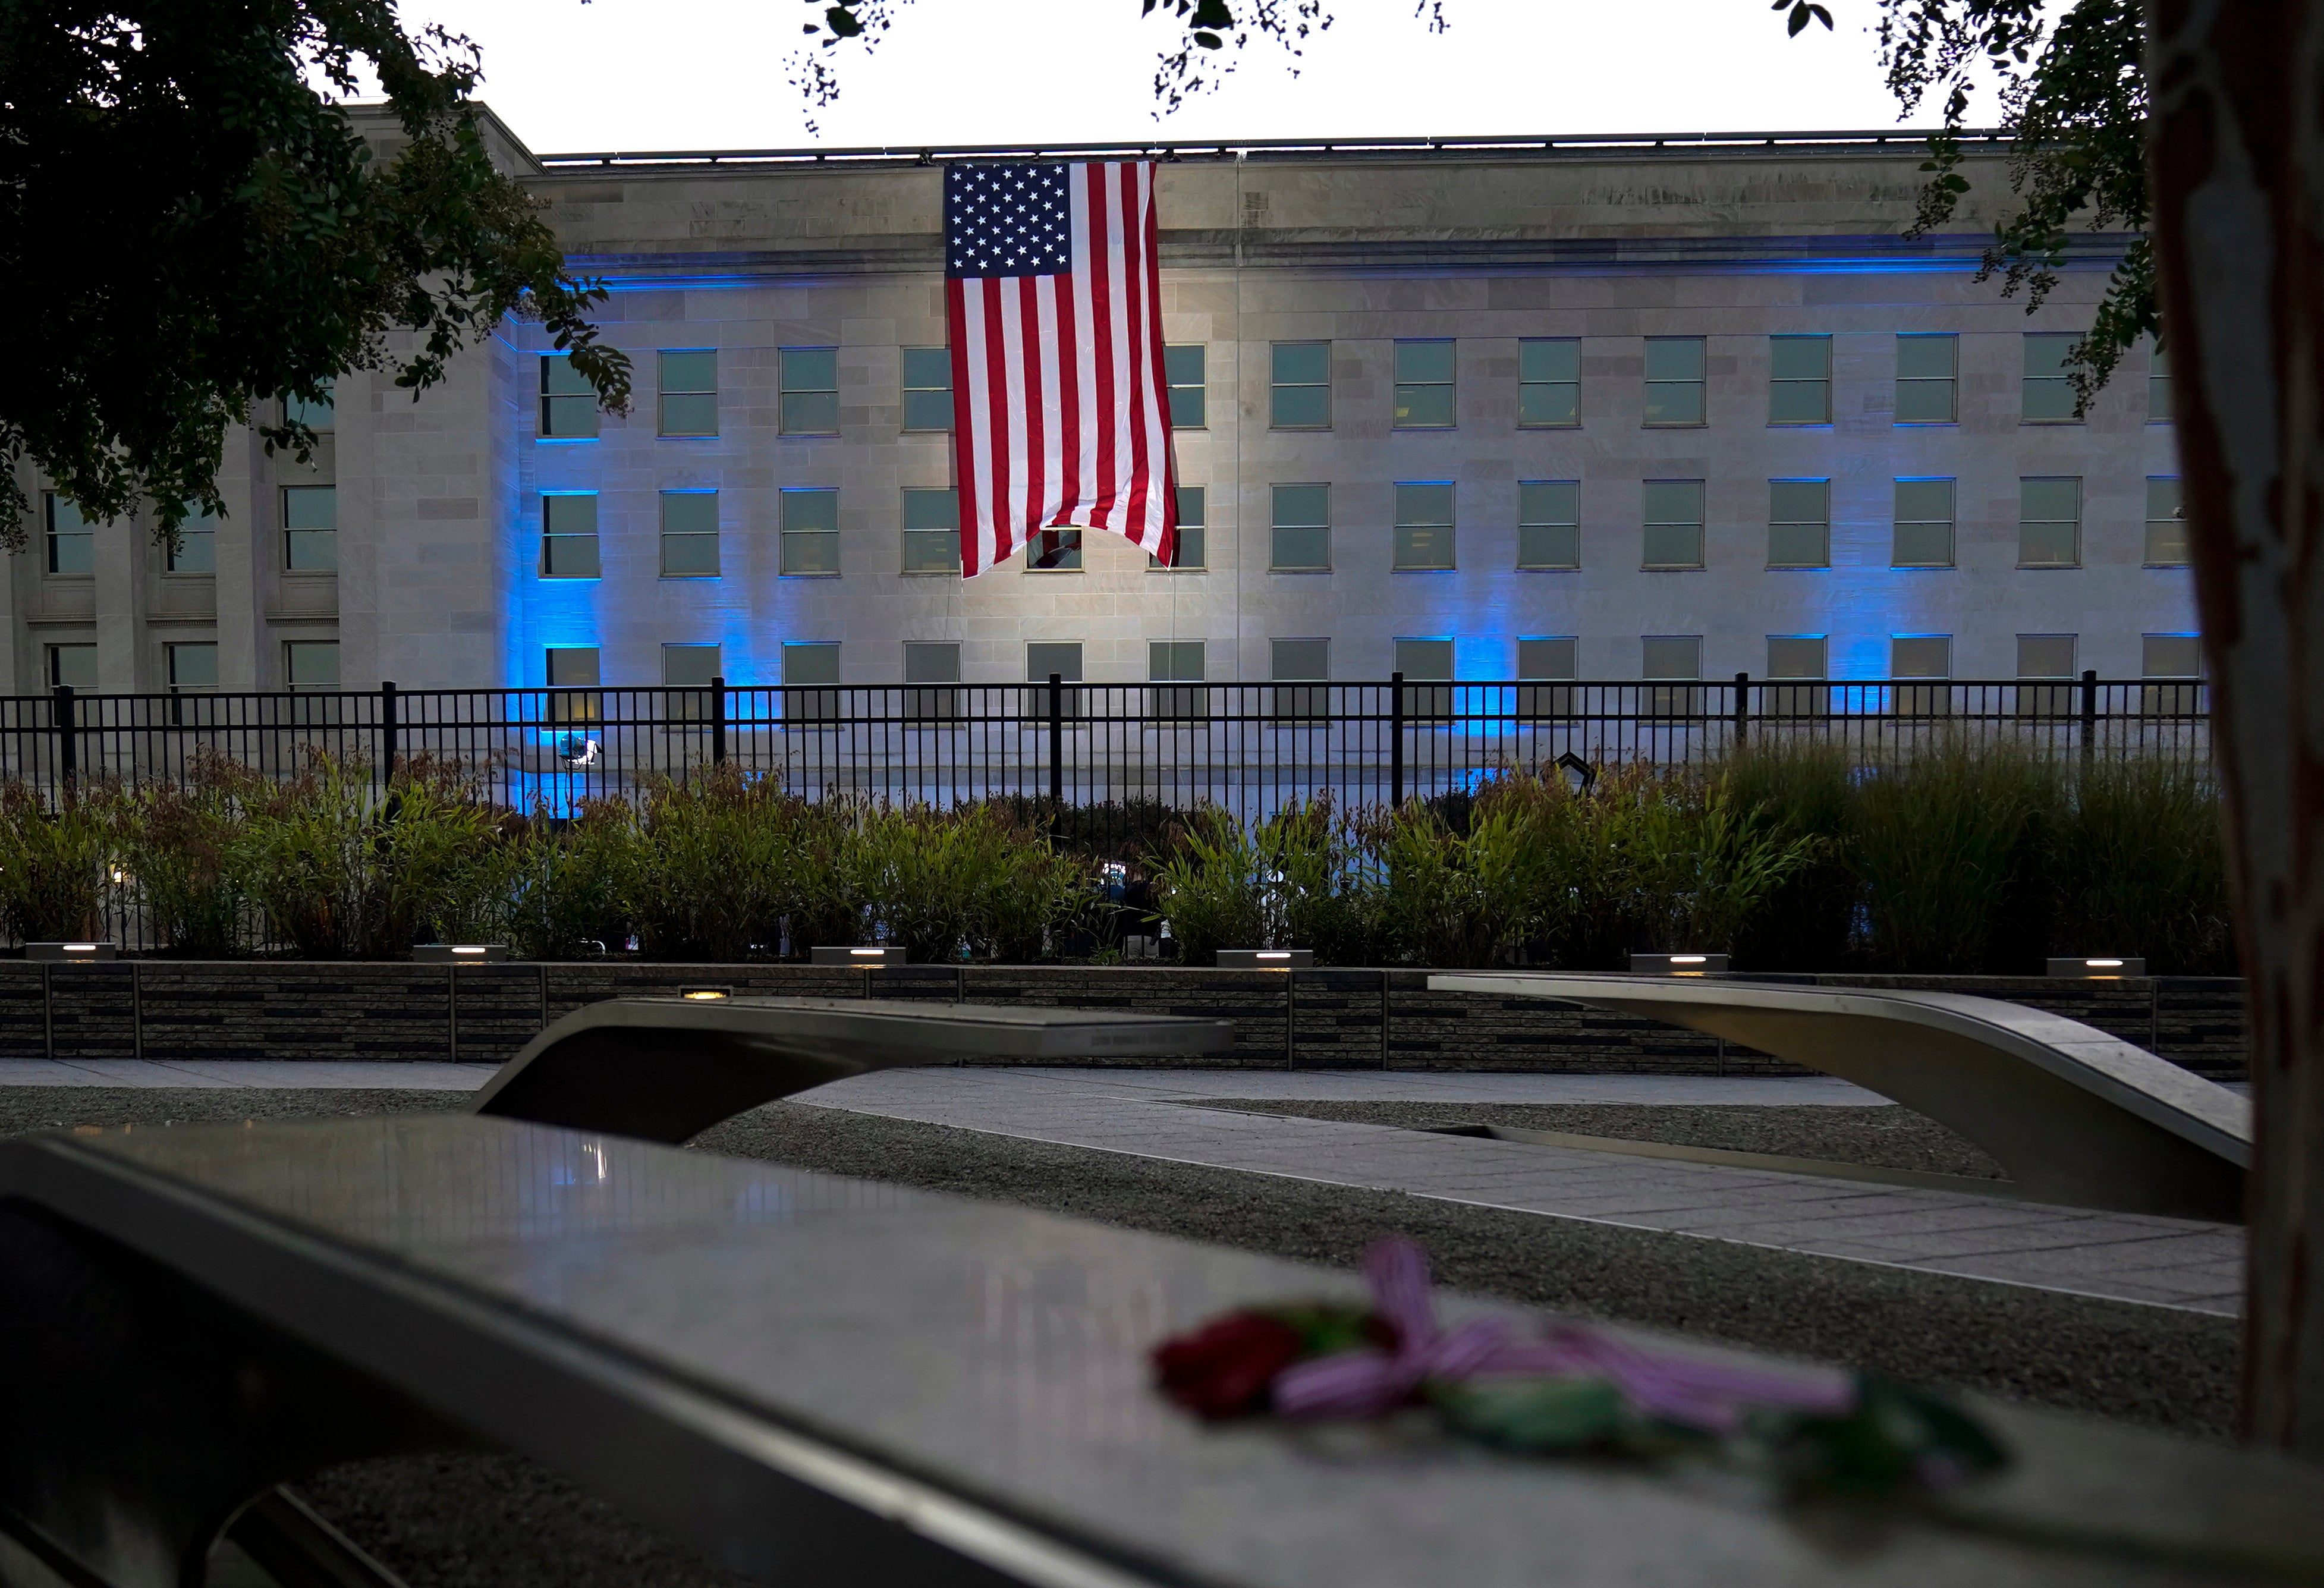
(2072, 1115)
(665, 1068)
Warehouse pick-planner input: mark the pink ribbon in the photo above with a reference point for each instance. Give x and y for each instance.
(1684, 1390)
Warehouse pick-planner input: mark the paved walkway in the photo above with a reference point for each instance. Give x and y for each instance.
(2165, 1263)
(1157, 1113)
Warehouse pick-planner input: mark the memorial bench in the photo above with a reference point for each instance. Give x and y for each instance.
(2072, 1115)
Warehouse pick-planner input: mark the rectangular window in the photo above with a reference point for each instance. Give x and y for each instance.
(1053, 551)
(2049, 392)
(689, 535)
(811, 692)
(2046, 656)
(2171, 656)
(1062, 658)
(1797, 656)
(196, 552)
(311, 665)
(1424, 385)
(810, 534)
(1182, 366)
(1672, 512)
(1549, 523)
(310, 528)
(1671, 657)
(931, 667)
(72, 666)
(573, 678)
(1923, 524)
(319, 415)
(1177, 663)
(193, 666)
(927, 388)
(1799, 523)
(1424, 525)
(1187, 551)
(931, 531)
(1928, 379)
(1799, 380)
(689, 391)
(2158, 384)
(1300, 394)
(1427, 668)
(1675, 381)
(1549, 383)
(2050, 522)
(569, 536)
(71, 539)
(2166, 523)
(810, 401)
(1299, 669)
(687, 672)
(1546, 665)
(1921, 656)
(1299, 532)
(569, 406)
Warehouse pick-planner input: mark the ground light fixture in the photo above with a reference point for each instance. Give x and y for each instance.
(862, 958)
(1266, 959)
(2098, 968)
(459, 953)
(71, 953)
(704, 994)
(1678, 964)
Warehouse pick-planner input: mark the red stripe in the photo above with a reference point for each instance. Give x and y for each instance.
(1006, 533)
(1029, 307)
(1136, 306)
(1100, 344)
(964, 442)
(1069, 399)
(1158, 379)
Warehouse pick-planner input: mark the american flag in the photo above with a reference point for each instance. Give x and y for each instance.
(1061, 411)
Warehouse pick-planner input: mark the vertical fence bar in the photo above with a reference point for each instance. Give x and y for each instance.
(1742, 709)
(2089, 713)
(387, 726)
(1057, 747)
(67, 738)
(718, 720)
(1394, 740)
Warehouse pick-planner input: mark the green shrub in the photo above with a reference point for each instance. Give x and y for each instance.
(1212, 885)
(54, 859)
(1806, 789)
(177, 851)
(974, 878)
(565, 878)
(719, 863)
(2137, 865)
(1947, 849)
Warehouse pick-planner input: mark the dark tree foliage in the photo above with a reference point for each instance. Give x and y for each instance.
(190, 229)
(2073, 101)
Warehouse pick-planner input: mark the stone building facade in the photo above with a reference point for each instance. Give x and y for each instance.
(1596, 411)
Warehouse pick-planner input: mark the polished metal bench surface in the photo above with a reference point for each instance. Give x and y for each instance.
(814, 1379)
(2072, 1114)
(666, 1068)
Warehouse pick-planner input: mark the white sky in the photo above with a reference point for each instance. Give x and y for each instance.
(709, 74)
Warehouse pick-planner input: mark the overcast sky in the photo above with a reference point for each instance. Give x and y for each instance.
(709, 74)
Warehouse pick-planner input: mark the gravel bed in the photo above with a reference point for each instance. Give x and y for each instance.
(1884, 1136)
(470, 1520)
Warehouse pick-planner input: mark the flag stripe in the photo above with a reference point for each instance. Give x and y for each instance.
(1062, 398)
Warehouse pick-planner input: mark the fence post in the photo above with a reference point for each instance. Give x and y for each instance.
(387, 735)
(1394, 740)
(1742, 711)
(1057, 747)
(68, 737)
(718, 720)
(2089, 712)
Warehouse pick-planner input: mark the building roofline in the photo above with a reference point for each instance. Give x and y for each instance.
(1173, 151)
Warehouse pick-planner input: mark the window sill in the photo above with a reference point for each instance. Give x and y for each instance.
(1433, 567)
(825, 574)
(909, 573)
(1299, 429)
(1299, 570)
(1699, 424)
(1922, 568)
(1670, 568)
(1575, 426)
(1927, 424)
(575, 578)
(1799, 424)
(908, 430)
(809, 435)
(565, 441)
(1799, 568)
(1548, 568)
(2177, 566)
(1435, 429)
(686, 436)
(1179, 570)
(2047, 567)
(685, 579)
(2047, 423)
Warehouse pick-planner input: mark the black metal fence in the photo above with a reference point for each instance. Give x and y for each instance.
(1246, 747)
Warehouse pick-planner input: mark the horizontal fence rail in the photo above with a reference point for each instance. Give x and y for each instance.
(1248, 748)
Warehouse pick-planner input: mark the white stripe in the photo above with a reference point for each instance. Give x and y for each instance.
(1152, 411)
(1012, 364)
(1086, 337)
(979, 422)
(1117, 342)
(1053, 415)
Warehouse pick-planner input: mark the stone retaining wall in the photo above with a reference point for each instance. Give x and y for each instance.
(1308, 1019)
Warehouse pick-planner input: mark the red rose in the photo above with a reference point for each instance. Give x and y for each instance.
(1223, 1368)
